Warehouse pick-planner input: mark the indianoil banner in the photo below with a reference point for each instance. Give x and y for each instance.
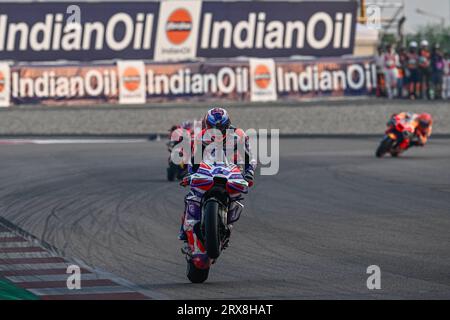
(198, 81)
(78, 84)
(133, 81)
(176, 30)
(310, 79)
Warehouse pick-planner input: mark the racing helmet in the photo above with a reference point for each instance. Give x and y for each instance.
(413, 45)
(424, 43)
(187, 125)
(217, 118)
(425, 120)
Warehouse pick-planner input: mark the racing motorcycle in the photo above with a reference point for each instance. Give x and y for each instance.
(396, 140)
(175, 171)
(218, 188)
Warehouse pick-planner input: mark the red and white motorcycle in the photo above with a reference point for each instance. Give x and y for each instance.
(217, 190)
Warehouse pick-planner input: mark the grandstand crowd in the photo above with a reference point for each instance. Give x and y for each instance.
(419, 71)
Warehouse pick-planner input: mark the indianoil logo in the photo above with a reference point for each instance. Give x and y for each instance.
(131, 79)
(178, 26)
(262, 76)
(2, 81)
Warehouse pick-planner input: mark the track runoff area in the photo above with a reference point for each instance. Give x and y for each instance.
(335, 222)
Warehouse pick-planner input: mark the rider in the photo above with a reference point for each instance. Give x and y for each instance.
(391, 63)
(176, 133)
(422, 124)
(216, 118)
(412, 76)
(424, 69)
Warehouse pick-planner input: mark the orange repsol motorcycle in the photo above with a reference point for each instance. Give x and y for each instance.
(397, 138)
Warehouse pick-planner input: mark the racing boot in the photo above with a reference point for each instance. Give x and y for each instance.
(182, 234)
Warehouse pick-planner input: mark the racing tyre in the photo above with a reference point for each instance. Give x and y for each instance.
(394, 154)
(181, 172)
(384, 147)
(211, 228)
(172, 171)
(196, 275)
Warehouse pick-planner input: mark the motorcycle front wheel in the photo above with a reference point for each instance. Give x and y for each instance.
(384, 147)
(211, 235)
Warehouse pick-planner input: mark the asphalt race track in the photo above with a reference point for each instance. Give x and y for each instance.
(309, 232)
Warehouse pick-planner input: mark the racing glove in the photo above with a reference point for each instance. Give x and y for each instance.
(391, 122)
(249, 176)
(186, 181)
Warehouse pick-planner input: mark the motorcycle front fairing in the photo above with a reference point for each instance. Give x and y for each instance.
(401, 132)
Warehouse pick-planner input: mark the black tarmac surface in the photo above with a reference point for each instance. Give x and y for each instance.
(310, 231)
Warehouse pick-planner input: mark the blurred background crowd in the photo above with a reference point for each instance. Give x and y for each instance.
(418, 71)
(411, 44)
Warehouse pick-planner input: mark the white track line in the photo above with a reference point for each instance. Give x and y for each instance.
(53, 277)
(70, 141)
(18, 244)
(36, 266)
(7, 234)
(83, 290)
(87, 141)
(16, 255)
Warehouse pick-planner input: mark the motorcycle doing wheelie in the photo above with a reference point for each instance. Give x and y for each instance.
(396, 140)
(216, 188)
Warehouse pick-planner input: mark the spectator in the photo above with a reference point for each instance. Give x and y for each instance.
(447, 76)
(424, 70)
(437, 70)
(411, 70)
(390, 63)
(380, 71)
(402, 79)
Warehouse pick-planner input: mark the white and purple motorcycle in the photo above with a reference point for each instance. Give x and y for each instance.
(216, 192)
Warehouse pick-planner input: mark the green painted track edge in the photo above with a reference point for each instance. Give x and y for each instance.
(8, 291)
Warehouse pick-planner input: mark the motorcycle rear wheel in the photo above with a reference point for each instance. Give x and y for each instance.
(384, 147)
(211, 228)
(172, 171)
(196, 275)
(181, 173)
